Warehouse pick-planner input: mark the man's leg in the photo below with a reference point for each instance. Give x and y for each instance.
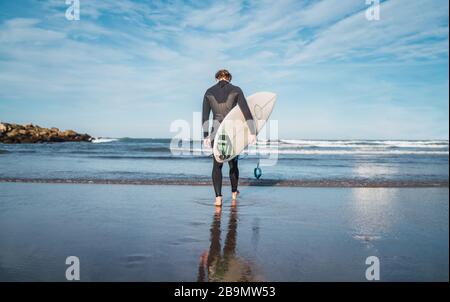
(217, 180)
(234, 177)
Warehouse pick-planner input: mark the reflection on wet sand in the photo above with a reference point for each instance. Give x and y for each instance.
(371, 213)
(217, 265)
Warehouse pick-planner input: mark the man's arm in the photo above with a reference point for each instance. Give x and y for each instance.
(242, 102)
(205, 116)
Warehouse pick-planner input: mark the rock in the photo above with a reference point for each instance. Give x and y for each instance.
(70, 133)
(12, 133)
(16, 134)
(27, 140)
(57, 139)
(85, 137)
(3, 128)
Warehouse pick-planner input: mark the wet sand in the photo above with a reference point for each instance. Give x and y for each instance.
(173, 233)
(192, 181)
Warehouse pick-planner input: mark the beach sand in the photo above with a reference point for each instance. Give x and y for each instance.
(173, 233)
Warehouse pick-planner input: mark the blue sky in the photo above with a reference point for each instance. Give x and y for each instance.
(129, 68)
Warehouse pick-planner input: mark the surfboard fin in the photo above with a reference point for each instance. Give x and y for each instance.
(257, 172)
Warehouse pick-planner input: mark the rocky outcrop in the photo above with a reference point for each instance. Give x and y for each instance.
(27, 134)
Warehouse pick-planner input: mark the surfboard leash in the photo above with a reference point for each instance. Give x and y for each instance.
(257, 171)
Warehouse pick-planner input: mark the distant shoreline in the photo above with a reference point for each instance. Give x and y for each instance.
(245, 182)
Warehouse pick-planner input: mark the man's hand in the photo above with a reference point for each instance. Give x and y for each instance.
(251, 139)
(207, 142)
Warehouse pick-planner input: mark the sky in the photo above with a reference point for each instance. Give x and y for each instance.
(130, 68)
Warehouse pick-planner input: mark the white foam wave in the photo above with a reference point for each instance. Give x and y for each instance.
(253, 151)
(357, 143)
(98, 140)
(349, 152)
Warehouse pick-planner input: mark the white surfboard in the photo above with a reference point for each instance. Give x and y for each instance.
(232, 136)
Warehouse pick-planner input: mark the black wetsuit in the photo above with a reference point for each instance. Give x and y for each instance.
(221, 98)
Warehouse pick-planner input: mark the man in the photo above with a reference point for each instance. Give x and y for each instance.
(220, 99)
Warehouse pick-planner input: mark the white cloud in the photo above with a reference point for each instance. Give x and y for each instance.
(21, 30)
(402, 24)
(328, 11)
(221, 16)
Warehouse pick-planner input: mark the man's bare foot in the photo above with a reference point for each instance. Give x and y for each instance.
(218, 201)
(217, 212)
(234, 195)
(233, 203)
(204, 258)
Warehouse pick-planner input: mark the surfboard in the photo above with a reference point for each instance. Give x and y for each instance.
(232, 136)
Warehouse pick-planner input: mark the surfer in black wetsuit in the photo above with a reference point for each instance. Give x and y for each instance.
(220, 99)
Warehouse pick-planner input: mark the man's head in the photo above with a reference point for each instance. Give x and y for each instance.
(223, 74)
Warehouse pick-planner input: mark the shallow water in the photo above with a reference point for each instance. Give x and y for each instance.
(151, 159)
(173, 233)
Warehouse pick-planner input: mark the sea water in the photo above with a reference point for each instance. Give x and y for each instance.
(129, 159)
